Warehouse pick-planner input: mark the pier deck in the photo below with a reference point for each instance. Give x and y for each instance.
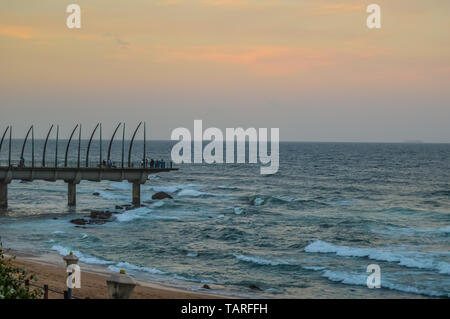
(74, 175)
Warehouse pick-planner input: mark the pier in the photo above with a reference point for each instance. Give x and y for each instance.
(74, 173)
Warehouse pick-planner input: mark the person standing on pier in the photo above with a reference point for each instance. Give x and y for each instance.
(22, 162)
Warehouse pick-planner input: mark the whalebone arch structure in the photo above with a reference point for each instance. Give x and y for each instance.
(74, 174)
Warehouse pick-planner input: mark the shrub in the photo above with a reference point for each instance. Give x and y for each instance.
(12, 281)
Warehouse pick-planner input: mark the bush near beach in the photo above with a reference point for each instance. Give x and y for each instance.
(12, 281)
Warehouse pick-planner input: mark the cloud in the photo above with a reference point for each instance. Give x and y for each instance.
(266, 60)
(340, 7)
(239, 3)
(15, 32)
(162, 3)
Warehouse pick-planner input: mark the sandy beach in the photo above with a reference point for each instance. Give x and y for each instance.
(93, 281)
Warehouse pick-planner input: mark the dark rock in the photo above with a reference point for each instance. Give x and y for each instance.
(98, 221)
(161, 195)
(205, 286)
(96, 193)
(254, 287)
(100, 215)
(55, 217)
(119, 207)
(79, 221)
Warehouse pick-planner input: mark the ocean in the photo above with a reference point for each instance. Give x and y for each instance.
(310, 230)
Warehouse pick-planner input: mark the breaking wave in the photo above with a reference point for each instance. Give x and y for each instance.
(406, 258)
(360, 280)
(261, 261)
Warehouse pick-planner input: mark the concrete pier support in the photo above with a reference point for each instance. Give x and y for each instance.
(136, 194)
(71, 194)
(3, 195)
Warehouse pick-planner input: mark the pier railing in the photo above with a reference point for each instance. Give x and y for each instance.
(62, 158)
(77, 167)
(90, 164)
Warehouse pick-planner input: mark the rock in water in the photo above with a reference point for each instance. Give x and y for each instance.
(205, 286)
(161, 195)
(95, 214)
(96, 193)
(254, 287)
(79, 221)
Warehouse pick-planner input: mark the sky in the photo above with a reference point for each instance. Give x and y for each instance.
(311, 68)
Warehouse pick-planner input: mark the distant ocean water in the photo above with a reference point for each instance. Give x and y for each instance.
(309, 230)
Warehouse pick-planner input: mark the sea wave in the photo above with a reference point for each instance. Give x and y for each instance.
(227, 187)
(361, 280)
(193, 279)
(88, 259)
(131, 268)
(394, 230)
(406, 258)
(112, 196)
(133, 214)
(261, 261)
(172, 188)
(124, 185)
(259, 200)
(193, 193)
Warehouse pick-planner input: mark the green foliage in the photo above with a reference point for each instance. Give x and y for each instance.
(12, 281)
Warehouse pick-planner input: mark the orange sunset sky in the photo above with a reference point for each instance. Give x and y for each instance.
(311, 68)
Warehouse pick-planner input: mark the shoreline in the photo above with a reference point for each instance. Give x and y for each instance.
(51, 271)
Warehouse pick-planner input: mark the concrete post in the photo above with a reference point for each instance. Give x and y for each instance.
(72, 194)
(136, 194)
(3, 195)
(120, 286)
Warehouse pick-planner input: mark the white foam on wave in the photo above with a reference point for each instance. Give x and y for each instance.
(315, 268)
(238, 210)
(58, 232)
(261, 261)
(286, 199)
(406, 258)
(258, 201)
(191, 192)
(116, 267)
(196, 193)
(171, 188)
(205, 281)
(361, 280)
(112, 196)
(88, 259)
(133, 214)
(130, 267)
